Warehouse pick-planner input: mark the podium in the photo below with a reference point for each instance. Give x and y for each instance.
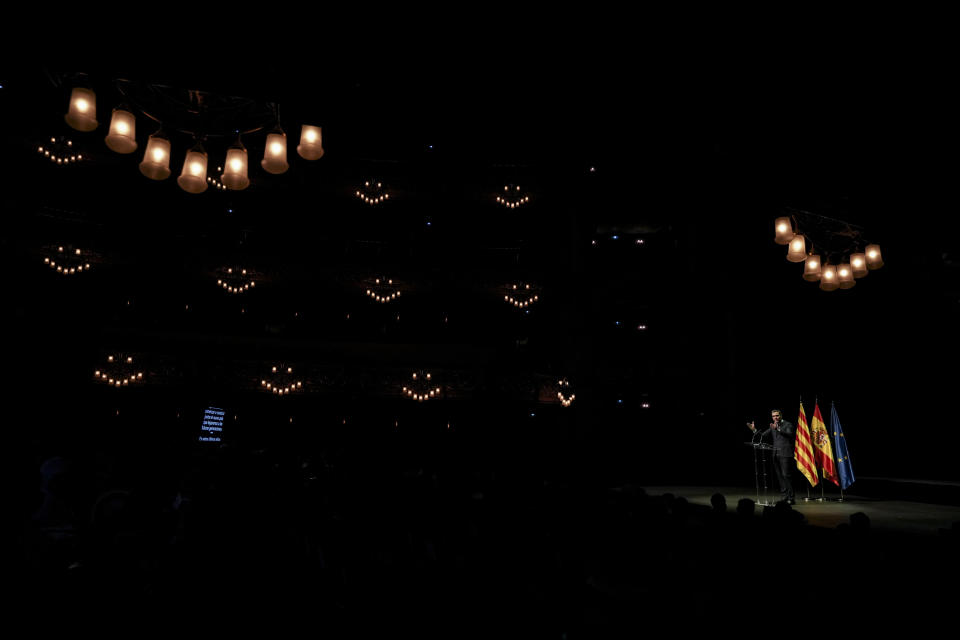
(762, 461)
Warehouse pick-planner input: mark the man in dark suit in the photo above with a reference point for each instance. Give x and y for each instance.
(783, 434)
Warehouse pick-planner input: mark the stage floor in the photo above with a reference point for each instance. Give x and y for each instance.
(901, 516)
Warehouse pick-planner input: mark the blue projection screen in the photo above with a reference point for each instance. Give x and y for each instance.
(212, 428)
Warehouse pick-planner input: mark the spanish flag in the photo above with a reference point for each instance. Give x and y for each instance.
(821, 443)
(803, 451)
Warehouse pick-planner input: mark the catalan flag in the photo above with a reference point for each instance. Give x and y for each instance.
(844, 467)
(803, 450)
(822, 448)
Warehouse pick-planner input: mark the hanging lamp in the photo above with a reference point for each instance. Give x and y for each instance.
(311, 143)
(828, 279)
(811, 268)
(193, 177)
(235, 169)
(275, 154)
(82, 112)
(874, 259)
(122, 137)
(783, 230)
(797, 251)
(156, 159)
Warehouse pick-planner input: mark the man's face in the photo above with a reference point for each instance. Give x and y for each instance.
(775, 415)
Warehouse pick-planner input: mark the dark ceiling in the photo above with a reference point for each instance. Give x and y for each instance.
(693, 150)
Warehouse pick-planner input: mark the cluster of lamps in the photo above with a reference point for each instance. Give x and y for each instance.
(830, 276)
(422, 388)
(71, 261)
(373, 195)
(564, 394)
(281, 388)
(82, 116)
(59, 151)
(235, 282)
(512, 198)
(383, 291)
(126, 376)
(521, 296)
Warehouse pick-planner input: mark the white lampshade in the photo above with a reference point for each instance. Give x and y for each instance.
(156, 159)
(311, 143)
(828, 278)
(82, 113)
(235, 169)
(874, 259)
(275, 155)
(783, 230)
(797, 252)
(811, 268)
(193, 178)
(845, 275)
(858, 262)
(123, 132)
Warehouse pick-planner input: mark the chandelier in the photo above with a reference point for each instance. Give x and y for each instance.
(67, 260)
(512, 197)
(216, 181)
(837, 255)
(235, 279)
(373, 193)
(59, 150)
(382, 290)
(281, 381)
(565, 392)
(521, 295)
(421, 387)
(202, 116)
(119, 371)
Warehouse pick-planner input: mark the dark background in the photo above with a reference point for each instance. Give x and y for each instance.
(696, 145)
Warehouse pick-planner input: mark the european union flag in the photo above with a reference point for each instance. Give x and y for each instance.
(844, 468)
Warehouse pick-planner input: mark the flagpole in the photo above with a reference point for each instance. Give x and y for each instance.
(833, 411)
(807, 499)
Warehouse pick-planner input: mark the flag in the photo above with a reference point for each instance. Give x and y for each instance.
(803, 451)
(821, 443)
(844, 469)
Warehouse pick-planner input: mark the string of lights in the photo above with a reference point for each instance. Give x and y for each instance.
(512, 197)
(281, 382)
(236, 279)
(565, 393)
(373, 193)
(67, 260)
(59, 151)
(521, 295)
(382, 290)
(422, 388)
(119, 372)
(217, 183)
